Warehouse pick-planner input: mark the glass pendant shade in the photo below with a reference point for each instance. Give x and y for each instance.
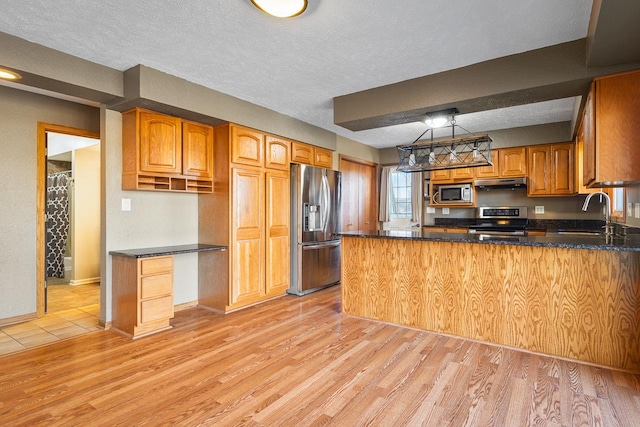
(281, 8)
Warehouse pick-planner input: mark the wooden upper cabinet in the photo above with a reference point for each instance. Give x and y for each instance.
(562, 169)
(463, 174)
(160, 141)
(277, 153)
(302, 153)
(247, 146)
(323, 158)
(440, 175)
(551, 169)
(513, 162)
(492, 171)
(197, 150)
(539, 164)
(612, 131)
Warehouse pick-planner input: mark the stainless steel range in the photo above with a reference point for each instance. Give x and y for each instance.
(500, 221)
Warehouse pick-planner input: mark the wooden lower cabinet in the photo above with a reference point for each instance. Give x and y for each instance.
(142, 294)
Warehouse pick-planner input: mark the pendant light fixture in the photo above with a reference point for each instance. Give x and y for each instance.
(281, 8)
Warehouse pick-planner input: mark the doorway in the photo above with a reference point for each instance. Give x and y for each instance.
(69, 220)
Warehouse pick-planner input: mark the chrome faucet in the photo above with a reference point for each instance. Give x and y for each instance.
(608, 228)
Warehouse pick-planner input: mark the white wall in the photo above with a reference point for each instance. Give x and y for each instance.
(20, 113)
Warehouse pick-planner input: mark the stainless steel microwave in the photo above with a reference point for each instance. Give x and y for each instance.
(454, 194)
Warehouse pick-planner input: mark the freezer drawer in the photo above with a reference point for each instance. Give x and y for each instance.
(318, 267)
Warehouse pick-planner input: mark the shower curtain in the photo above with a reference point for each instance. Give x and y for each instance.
(57, 222)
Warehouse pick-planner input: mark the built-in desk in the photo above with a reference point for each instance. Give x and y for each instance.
(142, 286)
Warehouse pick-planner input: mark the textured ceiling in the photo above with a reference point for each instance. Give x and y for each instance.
(296, 66)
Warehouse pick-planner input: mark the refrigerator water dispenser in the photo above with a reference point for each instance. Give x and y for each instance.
(312, 220)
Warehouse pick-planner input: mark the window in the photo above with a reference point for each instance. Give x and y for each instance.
(400, 195)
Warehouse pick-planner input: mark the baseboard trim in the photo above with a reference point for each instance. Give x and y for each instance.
(17, 319)
(84, 281)
(185, 305)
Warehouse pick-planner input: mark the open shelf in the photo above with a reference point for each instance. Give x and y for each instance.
(181, 184)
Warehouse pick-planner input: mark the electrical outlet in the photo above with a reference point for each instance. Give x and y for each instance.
(539, 209)
(445, 211)
(126, 204)
(636, 210)
(432, 210)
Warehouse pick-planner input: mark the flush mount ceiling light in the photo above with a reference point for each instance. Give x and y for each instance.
(437, 119)
(281, 8)
(9, 75)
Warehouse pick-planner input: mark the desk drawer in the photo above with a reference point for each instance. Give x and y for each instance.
(156, 265)
(156, 309)
(153, 286)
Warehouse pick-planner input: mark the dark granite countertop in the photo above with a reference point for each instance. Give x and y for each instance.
(167, 250)
(552, 240)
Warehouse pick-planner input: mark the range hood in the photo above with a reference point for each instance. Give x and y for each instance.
(500, 183)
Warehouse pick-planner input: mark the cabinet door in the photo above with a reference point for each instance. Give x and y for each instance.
(562, 169)
(277, 153)
(513, 162)
(589, 140)
(440, 175)
(301, 153)
(248, 237)
(197, 150)
(247, 146)
(323, 158)
(277, 229)
(160, 143)
(463, 174)
(539, 162)
(492, 171)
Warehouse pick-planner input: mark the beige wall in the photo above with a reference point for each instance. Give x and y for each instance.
(20, 113)
(85, 222)
(155, 219)
(355, 149)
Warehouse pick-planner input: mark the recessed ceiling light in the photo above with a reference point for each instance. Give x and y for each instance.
(281, 8)
(9, 75)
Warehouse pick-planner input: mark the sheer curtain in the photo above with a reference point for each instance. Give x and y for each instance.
(416, 197)
(383, 206)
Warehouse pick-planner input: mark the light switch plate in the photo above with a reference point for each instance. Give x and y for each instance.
(636, 210)
(126, 204)
(629, 209)
(539, 209)
(445, 211)
(432, 210)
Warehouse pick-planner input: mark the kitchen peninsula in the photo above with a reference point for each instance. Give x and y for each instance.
(575, 297)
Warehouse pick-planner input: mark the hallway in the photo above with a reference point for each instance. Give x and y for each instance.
(73, 311)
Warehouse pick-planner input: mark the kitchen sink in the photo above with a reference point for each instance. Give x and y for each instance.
(580, 232)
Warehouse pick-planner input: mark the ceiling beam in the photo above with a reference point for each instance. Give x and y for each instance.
(614, 33)
(540, 75)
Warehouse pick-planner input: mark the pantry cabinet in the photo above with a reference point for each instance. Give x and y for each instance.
(249, 213)
(165, 153)
(612, 131)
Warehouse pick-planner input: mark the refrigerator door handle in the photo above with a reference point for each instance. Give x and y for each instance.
(322, 245)
(326, 203)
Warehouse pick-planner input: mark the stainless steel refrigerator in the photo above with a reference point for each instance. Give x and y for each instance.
(315, 218)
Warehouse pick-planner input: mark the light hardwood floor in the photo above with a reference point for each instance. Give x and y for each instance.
(296, 361)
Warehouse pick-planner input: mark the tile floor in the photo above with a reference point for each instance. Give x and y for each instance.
(73, 311)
